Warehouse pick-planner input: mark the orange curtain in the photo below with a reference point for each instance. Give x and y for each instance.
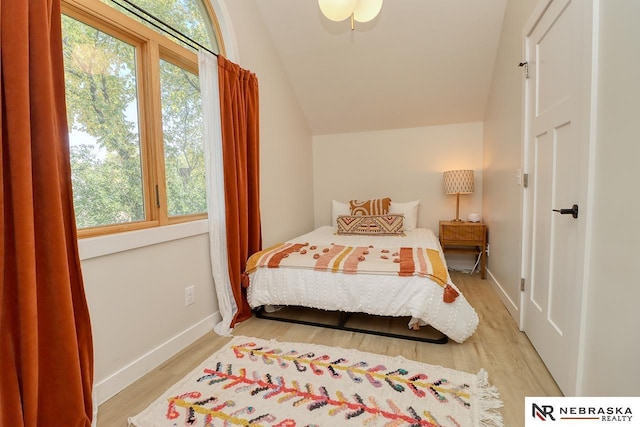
(240, 152)
(46, 351)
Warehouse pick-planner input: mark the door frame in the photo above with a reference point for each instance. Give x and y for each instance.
(588, 88)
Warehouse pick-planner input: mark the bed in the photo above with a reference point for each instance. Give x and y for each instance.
(402, 275)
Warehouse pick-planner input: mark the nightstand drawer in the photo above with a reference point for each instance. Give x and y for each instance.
(463, 232)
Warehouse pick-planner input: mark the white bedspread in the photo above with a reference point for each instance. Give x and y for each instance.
(385, 295)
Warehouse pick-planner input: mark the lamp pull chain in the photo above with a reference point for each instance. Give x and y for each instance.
(352, 22)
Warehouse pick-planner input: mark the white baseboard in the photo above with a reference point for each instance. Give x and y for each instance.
(110, 386)
(512, 307)
(94, 418)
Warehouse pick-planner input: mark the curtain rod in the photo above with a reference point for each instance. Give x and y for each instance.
(169, 29)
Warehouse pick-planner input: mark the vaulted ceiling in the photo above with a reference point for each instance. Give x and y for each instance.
(418, 63)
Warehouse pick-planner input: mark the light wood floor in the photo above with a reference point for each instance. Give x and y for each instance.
(498, 346)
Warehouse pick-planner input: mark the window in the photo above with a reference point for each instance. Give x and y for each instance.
(188, 17)
(183, 148)
(134, 111)
(102, 105)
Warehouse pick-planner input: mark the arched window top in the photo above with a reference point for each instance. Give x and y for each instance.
(192, 18)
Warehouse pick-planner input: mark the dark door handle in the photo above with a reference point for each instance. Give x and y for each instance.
(573, 211)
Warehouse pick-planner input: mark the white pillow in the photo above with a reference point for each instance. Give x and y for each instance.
(410, 212)
(338, 208)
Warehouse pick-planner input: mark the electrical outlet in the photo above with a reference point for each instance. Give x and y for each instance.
(189, 295)
(487, 249)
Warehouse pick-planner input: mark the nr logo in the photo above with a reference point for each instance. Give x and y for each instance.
(543, 412)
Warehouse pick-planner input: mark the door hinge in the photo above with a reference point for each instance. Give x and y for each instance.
(522, 284)
(525, 180)
(525, 64)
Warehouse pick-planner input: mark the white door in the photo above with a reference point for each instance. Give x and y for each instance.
(557, 145)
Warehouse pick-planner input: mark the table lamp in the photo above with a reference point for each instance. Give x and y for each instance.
(458, 182)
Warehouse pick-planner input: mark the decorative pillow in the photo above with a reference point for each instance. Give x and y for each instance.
(370, 207)
(410, 212)
(337, 209)
(380, 225)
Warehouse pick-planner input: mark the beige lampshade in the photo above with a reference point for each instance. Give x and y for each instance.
(458, 182)
(366, 10)
(361, 10)
(337, 10)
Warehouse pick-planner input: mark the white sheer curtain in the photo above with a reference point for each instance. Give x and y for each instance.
(208, 70)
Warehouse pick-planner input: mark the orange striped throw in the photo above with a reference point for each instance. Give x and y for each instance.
(357, 259)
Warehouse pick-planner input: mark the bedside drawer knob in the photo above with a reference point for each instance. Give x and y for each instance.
(573, 211)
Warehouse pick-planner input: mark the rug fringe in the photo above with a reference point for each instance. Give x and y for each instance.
(489, 402)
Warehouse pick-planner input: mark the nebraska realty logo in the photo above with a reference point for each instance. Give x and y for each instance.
(585, 410)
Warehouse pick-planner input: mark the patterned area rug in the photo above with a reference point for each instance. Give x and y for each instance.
(254, 382)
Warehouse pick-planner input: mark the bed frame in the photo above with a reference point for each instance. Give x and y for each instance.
(341, 324)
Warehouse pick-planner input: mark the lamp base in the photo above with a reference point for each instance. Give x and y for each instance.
(457, 209)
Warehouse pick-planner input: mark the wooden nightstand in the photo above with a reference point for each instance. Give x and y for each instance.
(465, 238)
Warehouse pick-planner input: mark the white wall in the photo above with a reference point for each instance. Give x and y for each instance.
(137, 305)
(502, 197)
(286, 145)
(135, 281)
(612, 340)
(404, 164)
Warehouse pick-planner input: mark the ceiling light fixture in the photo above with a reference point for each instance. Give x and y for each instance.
(357, 10)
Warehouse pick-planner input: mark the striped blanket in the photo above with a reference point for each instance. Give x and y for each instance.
(405, 261)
